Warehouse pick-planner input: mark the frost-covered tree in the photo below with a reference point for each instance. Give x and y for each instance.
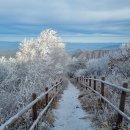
(75, 65)
(125, 45)
(49, 42)
(42, 47)
(51, 48)
(119, 61)
(98, 67)
(39, 62)
(27, 51)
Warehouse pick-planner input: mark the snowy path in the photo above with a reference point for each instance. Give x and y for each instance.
(69, 111)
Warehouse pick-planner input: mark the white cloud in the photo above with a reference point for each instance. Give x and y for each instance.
(68, 16)
(96, 38)
(65, 11)
(14, 38)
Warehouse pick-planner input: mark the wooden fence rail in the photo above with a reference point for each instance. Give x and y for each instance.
(33, 105)
(124, 90)
(111, 85)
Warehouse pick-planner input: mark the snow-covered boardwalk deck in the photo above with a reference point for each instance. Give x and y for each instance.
(69, 112)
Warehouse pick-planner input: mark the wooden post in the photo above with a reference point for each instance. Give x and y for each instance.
(61, 82)
(86, 79)
(53, 90)
(102, 88)
(77, 79)
(34, 107)
(94, 84)
(46, 97)
(56, 86)
(122, 105)
(90, 82)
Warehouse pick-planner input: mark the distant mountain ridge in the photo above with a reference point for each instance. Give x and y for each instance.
(111, 47)
(91, 46)
(8, 48)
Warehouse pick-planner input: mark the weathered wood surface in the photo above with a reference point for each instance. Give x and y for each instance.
(124, 90)
(24, 110)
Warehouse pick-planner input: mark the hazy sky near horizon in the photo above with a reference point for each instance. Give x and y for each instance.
(74, 20)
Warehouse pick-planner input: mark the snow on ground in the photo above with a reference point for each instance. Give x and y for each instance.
(69, 112)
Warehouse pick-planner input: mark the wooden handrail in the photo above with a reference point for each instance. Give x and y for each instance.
(117, 109)
(30, 105)
(124, 90)
(111, 85)
(41, 113)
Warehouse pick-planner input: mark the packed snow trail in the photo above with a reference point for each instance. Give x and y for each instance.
(69, 112)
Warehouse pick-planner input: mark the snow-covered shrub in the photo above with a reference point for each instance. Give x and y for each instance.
(120, 62)
(116, 69)
(39, 63)
(75, 65)
(98, 67)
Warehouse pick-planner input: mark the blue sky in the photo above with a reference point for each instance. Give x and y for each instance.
(74, 20)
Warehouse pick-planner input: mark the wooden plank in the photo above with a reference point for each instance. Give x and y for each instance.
(46, 97)
(94, 84)
(90, 82)
(34, 107)
(112, 85)
(122, 105)
(102, 86)
(114, 107)
(42, 112)
(19, 114)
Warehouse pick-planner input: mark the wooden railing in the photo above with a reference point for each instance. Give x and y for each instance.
(87, 82)
(34, 105)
